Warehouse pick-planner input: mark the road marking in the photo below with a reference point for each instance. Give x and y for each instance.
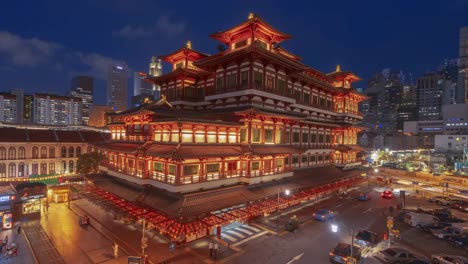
(235, 233)
(244, 231)
(367, 211)
(248, 239)
(295, 258)
(228, 237)
(252, 228)
(283, 233)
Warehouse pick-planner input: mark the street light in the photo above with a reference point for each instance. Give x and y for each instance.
(286, 192)
(334, 228)
(376, 170)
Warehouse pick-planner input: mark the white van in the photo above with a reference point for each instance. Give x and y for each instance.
(420, 220)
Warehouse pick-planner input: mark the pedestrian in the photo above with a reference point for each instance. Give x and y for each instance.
(210, 246)
(116, 250)
(18, 228)
(216, 250)
(47, 205)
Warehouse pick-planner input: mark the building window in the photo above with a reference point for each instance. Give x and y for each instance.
(212, 168)
(219, 83)
(305, 138)
(320, 157)
(256, 135)
(287, 138)
(175, 136)
(200, 137)
(281, 86)
(64, 152)
(295, 137)
(327, 138)
(21, 172)
(187, 136)
(244, 79)
(158, 166)
(71, 166)
(262, 44)
(279, 136)
(327, 157)
(52, 152)
(12, 170)
(43, 152)
(240, 44)
(2, 170)
(268, 135)
(2, 153)
(21, 153)
(312, 158)
(320, 138)
(179, 65)
(243, 135)
(52, 168)
(78, 151)
(304, 159)
(71, 152)
(295, 159)
(306, 98)
(258, 79)
(255, 165)
(211, 137)
(269, 82)
(279, 163)
(12, 153)
(190, 169)
(231, 81)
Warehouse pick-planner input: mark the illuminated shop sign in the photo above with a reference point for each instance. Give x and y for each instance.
(37, 196)
(4, 198)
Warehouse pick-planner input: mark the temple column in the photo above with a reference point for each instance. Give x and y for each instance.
(179, 127)
(249, 133)
(262, 133)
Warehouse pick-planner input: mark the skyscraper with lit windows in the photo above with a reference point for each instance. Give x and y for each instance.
(117, 77)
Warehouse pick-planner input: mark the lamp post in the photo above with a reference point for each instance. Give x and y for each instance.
(286, 192)
(334, 228)
(144, 241)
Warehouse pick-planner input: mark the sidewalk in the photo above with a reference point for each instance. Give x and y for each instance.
(25, 254)
(41, 244)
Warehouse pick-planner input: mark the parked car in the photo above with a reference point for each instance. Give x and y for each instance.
(461, 240)
(419, 261)
(464, 207)
(387, 194)
(435, 199)
(342, 252)
(457, 204)
(420, 220)
(396, 255)
(448, 259)
(366, 238)
(435, 226)
(363, 197)
(447, 232)
(324, 215)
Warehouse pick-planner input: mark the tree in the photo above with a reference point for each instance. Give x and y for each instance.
(89, 162)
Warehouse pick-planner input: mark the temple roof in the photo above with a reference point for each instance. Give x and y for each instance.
(182, 53)
(181, 71)
(341, 75)
(286, 53)
(256, 26)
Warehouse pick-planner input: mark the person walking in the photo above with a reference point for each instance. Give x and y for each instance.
(210, 246)
(216, 250)
(18, 228)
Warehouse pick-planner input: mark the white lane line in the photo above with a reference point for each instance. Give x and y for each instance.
(248, 239)
(295, 258)
(228, 237)
(252, 228)
(232, 232)
(244, 231)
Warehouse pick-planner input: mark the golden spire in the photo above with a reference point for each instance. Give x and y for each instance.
(189, 44)
(251, 15)
(338, 68)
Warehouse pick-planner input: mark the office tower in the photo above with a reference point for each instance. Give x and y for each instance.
(19, 104)
(57, 110)
(117, 77)
(28, 109)
(155, 69)
(429, 95)
(407, 108)
(8, 108)
(462, 88)
(82, 87)
(450, 70)
(142, 90)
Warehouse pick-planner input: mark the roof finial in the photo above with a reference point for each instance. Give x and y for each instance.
(189, 44)
(338, 68)
(251, 15)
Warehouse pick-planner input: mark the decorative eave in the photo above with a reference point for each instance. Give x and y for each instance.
(194, 121)
(177, 74)
(183, 53)
(282, 51)
(254, 25)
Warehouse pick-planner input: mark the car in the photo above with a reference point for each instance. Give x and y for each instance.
(435, 226)
(387, 194)
(457, 204)
(445, 201)
(363, 197)
(342, 252)
(448, 259)
(461, 240)
(435, 199)
(446, 232)
(324, 215)
(396, 255)
(366, 238)
(464, 207)
(419, 261)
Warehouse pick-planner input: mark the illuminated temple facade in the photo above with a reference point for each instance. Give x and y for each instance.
(252, 113)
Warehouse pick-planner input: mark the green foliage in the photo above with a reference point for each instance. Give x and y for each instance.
(89, 162)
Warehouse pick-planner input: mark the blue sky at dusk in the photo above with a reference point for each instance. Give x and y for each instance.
(43, 44)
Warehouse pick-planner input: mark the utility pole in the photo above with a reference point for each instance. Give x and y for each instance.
(144, 241)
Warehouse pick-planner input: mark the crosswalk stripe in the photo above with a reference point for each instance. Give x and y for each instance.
(252, 228)
(248, 239)
(228, 237)
(235, 233)
(244, 231)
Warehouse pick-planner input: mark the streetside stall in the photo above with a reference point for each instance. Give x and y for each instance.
(7, 198)
(31, 199)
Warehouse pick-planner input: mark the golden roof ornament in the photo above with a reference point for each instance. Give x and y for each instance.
(251, 15)
(338, 68)
(189, 44)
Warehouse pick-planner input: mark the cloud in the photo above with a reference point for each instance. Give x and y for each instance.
(26, 52)
(98, 64)
(164, 25)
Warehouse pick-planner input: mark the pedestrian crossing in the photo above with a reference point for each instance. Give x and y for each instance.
(241, 233)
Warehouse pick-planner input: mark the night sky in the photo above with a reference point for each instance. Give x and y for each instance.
(43, 45)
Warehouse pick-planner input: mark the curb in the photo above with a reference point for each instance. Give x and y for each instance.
(30, 247)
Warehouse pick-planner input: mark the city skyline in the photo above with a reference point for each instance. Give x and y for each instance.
(61, 52)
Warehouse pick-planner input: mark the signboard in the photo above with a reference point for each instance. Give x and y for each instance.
(144, 242)
(389, 222)
(37, 196)
(4, 198)
(134, 260)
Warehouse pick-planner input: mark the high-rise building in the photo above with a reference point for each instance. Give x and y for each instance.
(117, 77)
(429, 95)
(450, 70)
(97, 115)
(142, 90)
(57, 110)
(28, 109)
(19, 93)
(8, 110)
(462, 89)
(407, 109)
(82, 87)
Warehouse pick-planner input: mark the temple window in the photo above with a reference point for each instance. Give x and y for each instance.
(232, 137)
(327, 138)
(322, 102)
(187, 136)
(279, 136)
(262, 44)
(306, 98)
(211, 137)
(320, 138)
(287, 138)
(295, 159)
(305, 138)
(256, 132)
(313, 137)
(179, 65)
(212, 168)
(157, 135)
(312, 158)
(165, 136)
(258, 79)
(171, 169)
(327, 157)
(240, 44)
(314, 100)
(200, 137)
(279, 163)
(280, 86)
(255, 165)
(222, 137)
(244, 79)
(297, 95)
(243, 135)
(320, 157)
(219, 83)
(158, 166)
(304, 158)
(190, 169)
(231, 81)
(286, 161)
(268, 134)
(295, 138)
(269, 82)
(175, 135)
